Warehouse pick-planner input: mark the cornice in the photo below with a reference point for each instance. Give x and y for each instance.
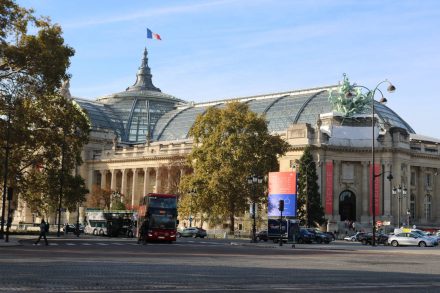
(138, 159)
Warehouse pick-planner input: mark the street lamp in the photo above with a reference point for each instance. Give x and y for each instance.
(400, 192)
(61, 184)
(306, 166)
(191, 193)
(371, 94)
(253, 181)
(6, 163)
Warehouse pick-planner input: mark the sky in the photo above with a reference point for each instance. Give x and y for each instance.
(221, 49)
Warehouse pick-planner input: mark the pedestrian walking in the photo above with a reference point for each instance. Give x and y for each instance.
(44, 228)
(143, 232)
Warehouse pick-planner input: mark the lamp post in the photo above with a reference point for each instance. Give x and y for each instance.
(192, 193)
(298, 162)
(77, 221)
(6, 164)
(371, 94)
(400, 192)
(61, 185)
(253, 181)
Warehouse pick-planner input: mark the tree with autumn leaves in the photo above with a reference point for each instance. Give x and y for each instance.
(229, 144)
(42, 132)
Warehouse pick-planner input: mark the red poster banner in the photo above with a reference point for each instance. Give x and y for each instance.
(376, 189)
(329, 188)
(282, 182)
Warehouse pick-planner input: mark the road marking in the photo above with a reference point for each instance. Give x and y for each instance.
(86, 244)
(71, 244)
(102, 244)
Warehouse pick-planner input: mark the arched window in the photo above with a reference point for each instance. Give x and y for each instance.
(427, 205)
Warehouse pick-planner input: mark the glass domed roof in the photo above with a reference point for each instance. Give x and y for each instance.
(142, 112)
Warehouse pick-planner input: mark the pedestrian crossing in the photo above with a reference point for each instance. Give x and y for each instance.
(88, 244)
(80, 243)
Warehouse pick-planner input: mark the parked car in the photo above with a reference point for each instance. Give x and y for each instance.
(422, 233)
(380, 239)
(351, 238)
(193, 232)
(410, 239)
(262, 236)
(319, 237)
(358, 236)
(305, 236)
(72, 228)
(331, 234)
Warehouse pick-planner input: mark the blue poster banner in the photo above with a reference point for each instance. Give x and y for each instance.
(289, 205)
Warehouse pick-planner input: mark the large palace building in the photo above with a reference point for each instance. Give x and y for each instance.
(140, 140)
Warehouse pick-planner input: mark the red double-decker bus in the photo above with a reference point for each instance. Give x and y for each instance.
(160, 211)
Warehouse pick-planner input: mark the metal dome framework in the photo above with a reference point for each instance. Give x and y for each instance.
(143, 113)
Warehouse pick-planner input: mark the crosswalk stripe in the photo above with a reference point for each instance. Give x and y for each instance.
(102, 244)
(86, 244)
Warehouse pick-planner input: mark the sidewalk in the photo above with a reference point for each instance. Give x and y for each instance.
(13, 241)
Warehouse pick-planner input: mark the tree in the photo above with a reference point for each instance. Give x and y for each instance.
(310, 210)
(229, 145)
(44, 132)
(99, 198)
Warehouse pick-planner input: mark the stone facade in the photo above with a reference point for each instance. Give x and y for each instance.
(145, 152)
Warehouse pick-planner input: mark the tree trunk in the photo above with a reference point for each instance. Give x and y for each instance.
(232, 222)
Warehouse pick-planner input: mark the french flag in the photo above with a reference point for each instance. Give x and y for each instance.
(151, 35)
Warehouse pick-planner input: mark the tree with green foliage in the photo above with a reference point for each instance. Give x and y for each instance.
(42, 130)
(99, 198)
(310, 210)
(229, 144)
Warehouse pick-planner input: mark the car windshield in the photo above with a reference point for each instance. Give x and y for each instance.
(418, 232)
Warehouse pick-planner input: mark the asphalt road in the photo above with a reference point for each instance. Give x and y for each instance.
(89, 264)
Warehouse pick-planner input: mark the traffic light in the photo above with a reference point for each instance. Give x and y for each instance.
(281, 205)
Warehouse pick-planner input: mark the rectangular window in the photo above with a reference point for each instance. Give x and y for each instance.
(428, 180)
(413, 178)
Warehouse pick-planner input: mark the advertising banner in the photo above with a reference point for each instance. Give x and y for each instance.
(329, 188)
(282, 182)
(282, 186)
(376, 190)
(289, 205)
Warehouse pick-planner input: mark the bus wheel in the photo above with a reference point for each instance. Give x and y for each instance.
(101, 232)
(95, 232)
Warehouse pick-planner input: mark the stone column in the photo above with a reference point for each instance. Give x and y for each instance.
(407, 200)
(90, 180)
(420, 197)
(146, 181)
(133, 188)
(169, 175)
(157, 186)
(387, 191)
(124, 182)
(113, 180)
(103, 179)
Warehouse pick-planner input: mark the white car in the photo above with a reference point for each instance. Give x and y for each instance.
(351, 238)
(410, 239)
(427, 235)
